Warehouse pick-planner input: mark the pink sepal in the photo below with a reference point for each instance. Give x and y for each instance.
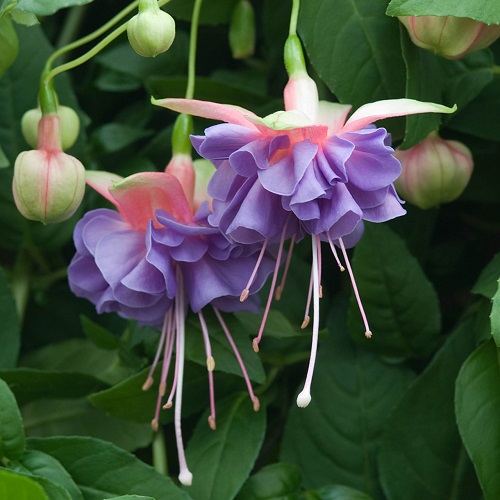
(101, 182)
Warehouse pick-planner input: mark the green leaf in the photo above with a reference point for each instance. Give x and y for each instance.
(421, 67)
(477, 406)
(113, 137)
(12, 441)
(4, 161)
(279, 480)
(47, 7)
(130, 497)
(9, 44)
(495, 316)
(20, 487)
(486, 11)
(29, 384)
(89, 461)
(99, 335)
(277, 324)
(221, 460)
(375, 70)
(10, 331)
(335, 439)
(41, 465)
(487, 283)
(339, 492)
(222, 352)
(77, 417)
(400, 302)
(421, 451)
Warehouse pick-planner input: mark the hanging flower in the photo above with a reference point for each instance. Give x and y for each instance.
(305, 170)
(155, 258)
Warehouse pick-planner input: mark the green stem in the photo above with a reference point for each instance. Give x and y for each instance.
(294, 17)
(193, 38)
(20, 283)
(71, 25)
(160, 453)
(46, 281)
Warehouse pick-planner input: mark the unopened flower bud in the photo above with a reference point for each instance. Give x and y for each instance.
(448, 36)
(48, 185)
(435, 171)
(242, 30)
(151, 31)
(9, 43)
(70, 126)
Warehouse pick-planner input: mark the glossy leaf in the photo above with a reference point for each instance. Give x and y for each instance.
(495, 316)
(10, 331)
(279, 480)
(130, 497)
(77, 417)
(20, 487)
(477, 406)
(340, 492)
(53, 490)
(487, 12)
(221, 460)
(41, 465)
(12, 441)
(335, 439)
(421, 454)
(99, 335)
(487, 283)
(29, 384)
(47, 7)
(89, 462)
(400, 302)
(375, 70)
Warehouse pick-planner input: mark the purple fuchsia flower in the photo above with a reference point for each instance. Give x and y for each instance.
(305, 170)
(155, 258)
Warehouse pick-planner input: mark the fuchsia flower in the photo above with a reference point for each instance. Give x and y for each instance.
(306, 170)
(156, 257)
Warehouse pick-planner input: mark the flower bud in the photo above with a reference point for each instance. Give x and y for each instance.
(9, 43)
(151, 31)
(70, 126)
(448, 36)
(48, 185)
(435, 171)
(242, 30)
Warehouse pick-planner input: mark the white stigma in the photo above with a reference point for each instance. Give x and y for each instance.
(303, 399)
(186, 477)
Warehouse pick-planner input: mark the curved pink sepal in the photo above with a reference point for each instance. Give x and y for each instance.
(140, 195)
(374, 111)
(333, 115)
(212, 110)
(101, 182)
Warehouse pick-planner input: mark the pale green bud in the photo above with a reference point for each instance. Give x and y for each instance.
(242, 30)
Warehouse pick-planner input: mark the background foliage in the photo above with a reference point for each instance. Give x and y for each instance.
(414, 413)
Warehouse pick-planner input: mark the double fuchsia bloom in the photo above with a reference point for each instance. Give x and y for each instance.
(303, 170)
(155, 258)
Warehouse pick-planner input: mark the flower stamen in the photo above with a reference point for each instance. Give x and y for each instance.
(368, 332)
(246, 292)
(210, 369)
(334, 251)
(253, 397)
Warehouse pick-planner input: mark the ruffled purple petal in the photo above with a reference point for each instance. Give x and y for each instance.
(389, 209)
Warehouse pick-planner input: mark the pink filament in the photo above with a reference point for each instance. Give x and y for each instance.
(208, 351)
(334, 251)
(246, 291)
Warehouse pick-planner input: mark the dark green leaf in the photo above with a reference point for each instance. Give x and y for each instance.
(29, 384)
(421, 454)
(421, 68)
(400, 302)
(339, 492)
(90, 461)
(335, 439)
(113, 137)
(277, 324)
(212, 12)
(495, 316)
(42, 465)
(76, 417)
(130, 497)
(9, 44)
(485, 11)
(12, 441)
(99, 335)
(487, 283)
(221, 460)
(375, 69)
(477, 406)
(47, 7)
(20, 487)
(10, 330)
(279, 480)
